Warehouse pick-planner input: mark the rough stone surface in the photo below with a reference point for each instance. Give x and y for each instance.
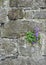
(15, 14)
(33, 4)
(1, 3)
(35, 14)
(16, 18)
(16, 29)
(2, 15)
(8, 46)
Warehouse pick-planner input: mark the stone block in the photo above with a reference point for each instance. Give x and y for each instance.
(3, 15)
(19, 61)
(44, 47)
(18, 28)
(13, 3)
(39, 4)
(25, 3)
(27, 50)
(1, 2)
(35, 14)
(0, 31)
(10, 62)
(7, 47)
(14, 29)
(45, 50)
(16, 3)
(33, 4)
(15, 14)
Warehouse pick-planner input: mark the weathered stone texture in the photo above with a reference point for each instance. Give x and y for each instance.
(15, 14)
(35, 14)
(2, 15)
(1, 2)
(33, 4)
(16, 29)
(7, 46)
(16, 3)
(16, 18)
(13, 3)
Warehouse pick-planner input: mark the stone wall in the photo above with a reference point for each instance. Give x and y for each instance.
(16, 18)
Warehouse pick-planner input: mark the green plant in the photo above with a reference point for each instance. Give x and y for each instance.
(31, 38)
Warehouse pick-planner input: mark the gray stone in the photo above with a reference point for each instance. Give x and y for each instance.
(16, 18)
(13, 3)
(22, 3)
(18, 28)
(1, 2)
(15, 14)
(2, 15)
(42, 62)
(0, 31)
(45, 49)
(26, 3)
(14, 29)
(8, 47)
(22, 61)
(35, 14)
(27, 50)
(7, 62)
(39, 4)
(17, 61)
(33, 4)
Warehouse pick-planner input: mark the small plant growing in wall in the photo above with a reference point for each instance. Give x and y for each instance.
(33, 37)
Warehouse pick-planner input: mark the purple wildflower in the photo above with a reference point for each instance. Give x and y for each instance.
(33, 42)
(36, 29)
(37, 32)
